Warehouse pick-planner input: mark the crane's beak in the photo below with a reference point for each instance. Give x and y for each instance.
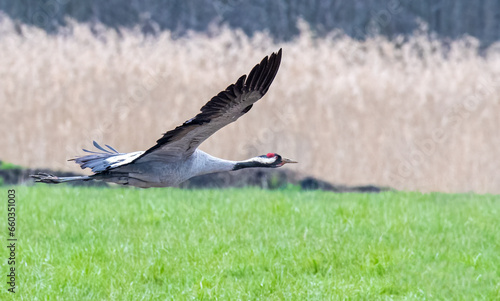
(285, 160)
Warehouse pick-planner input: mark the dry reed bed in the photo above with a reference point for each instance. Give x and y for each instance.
(413, 115)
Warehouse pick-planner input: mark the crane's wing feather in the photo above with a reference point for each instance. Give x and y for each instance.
(222, 109)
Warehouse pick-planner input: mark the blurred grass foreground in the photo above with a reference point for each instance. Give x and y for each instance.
(412, 113)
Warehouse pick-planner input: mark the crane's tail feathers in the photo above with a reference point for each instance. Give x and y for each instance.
(51, 179)
(97, 161)
(104, 159)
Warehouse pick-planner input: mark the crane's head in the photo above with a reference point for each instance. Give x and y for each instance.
(276, 160)
(270, 160)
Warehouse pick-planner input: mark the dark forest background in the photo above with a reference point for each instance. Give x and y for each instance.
(357, 18)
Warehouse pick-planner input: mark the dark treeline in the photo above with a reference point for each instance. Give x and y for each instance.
(358, 18)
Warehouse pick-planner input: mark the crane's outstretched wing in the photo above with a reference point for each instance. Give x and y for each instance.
(221, 110)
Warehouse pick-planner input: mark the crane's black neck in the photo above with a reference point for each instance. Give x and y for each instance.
(249, 164)
(256, 163)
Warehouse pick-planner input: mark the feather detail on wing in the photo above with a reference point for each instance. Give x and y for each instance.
(222, 109)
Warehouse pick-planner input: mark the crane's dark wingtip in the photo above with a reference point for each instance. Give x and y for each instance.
(262, 75)
(274, 64)
(276, 55)
(279, 53)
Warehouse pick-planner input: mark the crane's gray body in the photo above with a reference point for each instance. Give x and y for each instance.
(158, 173)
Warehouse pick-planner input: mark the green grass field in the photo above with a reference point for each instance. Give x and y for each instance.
(250, 244)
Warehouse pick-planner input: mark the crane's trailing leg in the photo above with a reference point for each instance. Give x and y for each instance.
(51, 179)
